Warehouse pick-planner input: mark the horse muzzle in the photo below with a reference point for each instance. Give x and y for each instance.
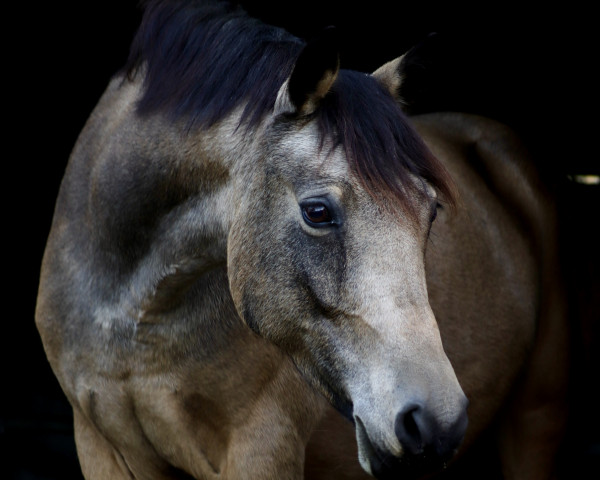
(423, 441)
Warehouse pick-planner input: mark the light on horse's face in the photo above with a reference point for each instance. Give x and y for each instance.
(339, 284)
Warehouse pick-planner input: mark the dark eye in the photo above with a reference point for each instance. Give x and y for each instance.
(316, 215)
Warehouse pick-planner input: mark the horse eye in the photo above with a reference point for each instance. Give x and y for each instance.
(316, 215)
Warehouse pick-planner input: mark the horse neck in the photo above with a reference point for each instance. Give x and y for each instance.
(176, 191)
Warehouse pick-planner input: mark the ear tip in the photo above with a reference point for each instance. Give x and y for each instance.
(315, 70)
(330, 36)
(326, 42)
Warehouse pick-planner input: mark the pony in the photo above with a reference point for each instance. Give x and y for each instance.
(260, 267)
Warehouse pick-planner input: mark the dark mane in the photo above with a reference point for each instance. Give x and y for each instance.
(202, 59)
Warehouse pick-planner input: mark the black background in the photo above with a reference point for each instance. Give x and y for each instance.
(533, 69)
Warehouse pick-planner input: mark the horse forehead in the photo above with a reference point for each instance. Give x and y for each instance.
(305, 148)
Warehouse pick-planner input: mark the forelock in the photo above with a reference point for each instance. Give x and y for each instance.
(382, 148)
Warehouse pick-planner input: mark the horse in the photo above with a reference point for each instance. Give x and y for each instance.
(260, 267)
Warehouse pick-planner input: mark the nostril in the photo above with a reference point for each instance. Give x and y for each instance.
(409, 429)
(420, 431)
(410, 425)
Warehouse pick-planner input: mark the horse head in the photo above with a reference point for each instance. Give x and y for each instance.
(325, 259)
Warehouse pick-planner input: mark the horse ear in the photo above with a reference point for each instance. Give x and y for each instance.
(390, 75)
(406, 76)
(315, 71)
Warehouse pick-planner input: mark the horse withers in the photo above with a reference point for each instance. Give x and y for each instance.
(244, 238)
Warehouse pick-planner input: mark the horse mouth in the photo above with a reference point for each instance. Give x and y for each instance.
(387, 466)
(366, 452)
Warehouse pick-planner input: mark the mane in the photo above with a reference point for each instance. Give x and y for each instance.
(202, 59)
(205, 58)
